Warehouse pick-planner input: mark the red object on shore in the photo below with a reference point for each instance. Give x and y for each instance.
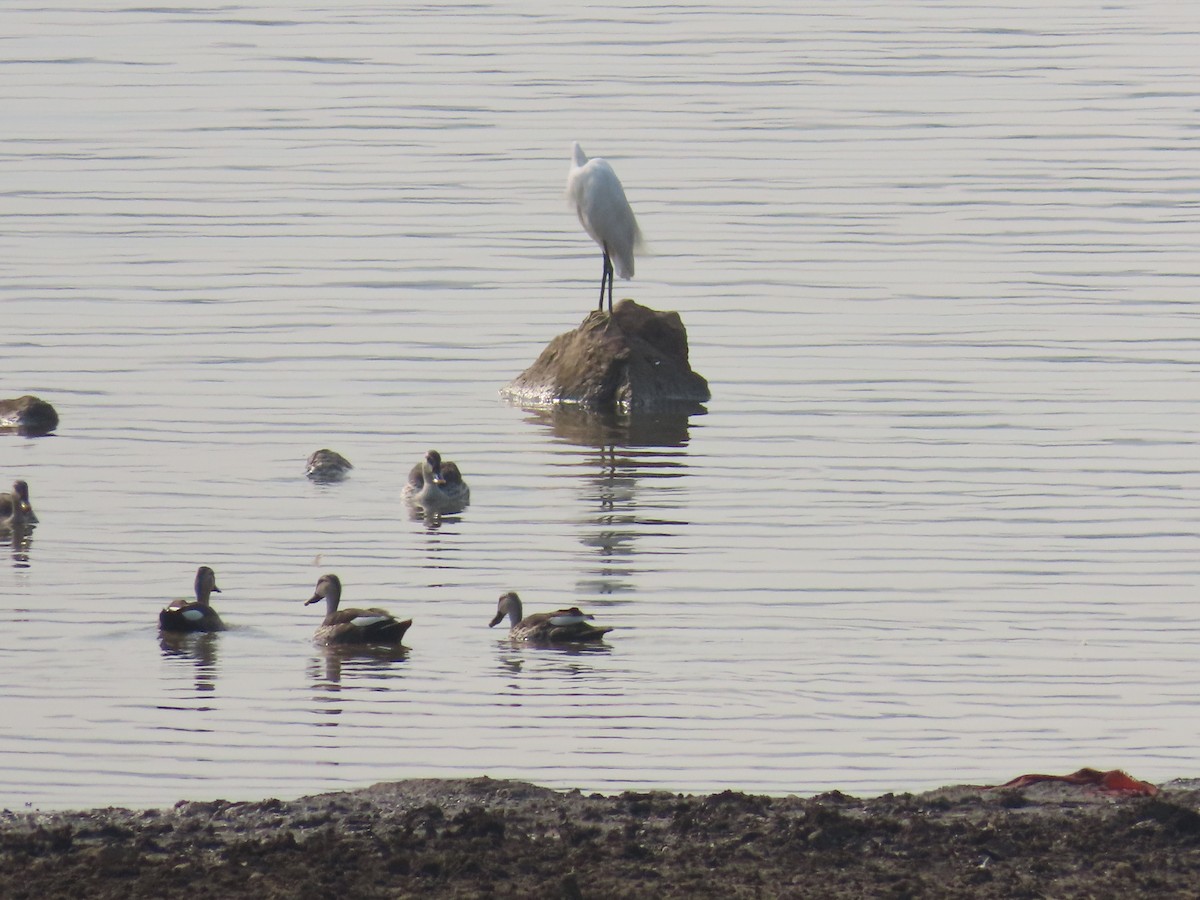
(1114, 780)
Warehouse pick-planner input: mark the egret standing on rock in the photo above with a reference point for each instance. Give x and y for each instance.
(596, 193)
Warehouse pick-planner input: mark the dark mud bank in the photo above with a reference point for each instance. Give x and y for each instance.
(485, 838)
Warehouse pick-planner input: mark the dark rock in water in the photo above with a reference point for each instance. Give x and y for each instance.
(27, 415)
(327, 465)
(634, 359)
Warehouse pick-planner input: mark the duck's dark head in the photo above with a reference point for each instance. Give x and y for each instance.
(21, 499)
(206, 582)
(509, 605)
(328, 587)
(433, 459)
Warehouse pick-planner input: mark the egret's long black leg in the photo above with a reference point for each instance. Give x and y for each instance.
(611, 276)
(608, 273)
(603, 277)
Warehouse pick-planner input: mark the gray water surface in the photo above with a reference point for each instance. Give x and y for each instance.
(939, 523)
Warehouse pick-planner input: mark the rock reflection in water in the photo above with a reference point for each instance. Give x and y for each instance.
(629, 450)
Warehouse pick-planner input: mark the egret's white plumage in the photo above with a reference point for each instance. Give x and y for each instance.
(596, 193)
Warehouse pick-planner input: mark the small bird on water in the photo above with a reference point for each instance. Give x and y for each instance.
(327, 465)
(15, 508)
(353, 626)
(563, 626)
(194, 615)
(436, 486)
(595, 191)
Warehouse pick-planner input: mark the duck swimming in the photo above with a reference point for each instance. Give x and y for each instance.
(327, 465)
(563, 626)
(194, 615)
(436, 486)
(353, 626)
(454, 485)
(15, 508)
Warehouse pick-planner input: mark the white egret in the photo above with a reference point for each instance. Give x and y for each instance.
(596, 193)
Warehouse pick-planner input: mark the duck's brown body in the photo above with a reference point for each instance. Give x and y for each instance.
(15, 508)
(194, 615)
(353, 626)
(327, 465)
(436, 486)
(563, 626)
(28, 415)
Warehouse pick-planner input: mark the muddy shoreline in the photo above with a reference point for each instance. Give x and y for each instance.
(486, 838)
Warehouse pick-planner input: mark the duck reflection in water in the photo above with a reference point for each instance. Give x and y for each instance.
(17, 521)
(20, 538)
(561, 659)
(432, 519)
(364, 667)
(196, 648)
(565, 670)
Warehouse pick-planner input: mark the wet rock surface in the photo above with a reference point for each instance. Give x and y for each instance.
(485, 838)
(634, 359)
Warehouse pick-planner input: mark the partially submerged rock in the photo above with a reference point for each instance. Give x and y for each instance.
(635, 358)
(28, 415)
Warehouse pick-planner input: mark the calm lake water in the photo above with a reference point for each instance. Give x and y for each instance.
(940, 522)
